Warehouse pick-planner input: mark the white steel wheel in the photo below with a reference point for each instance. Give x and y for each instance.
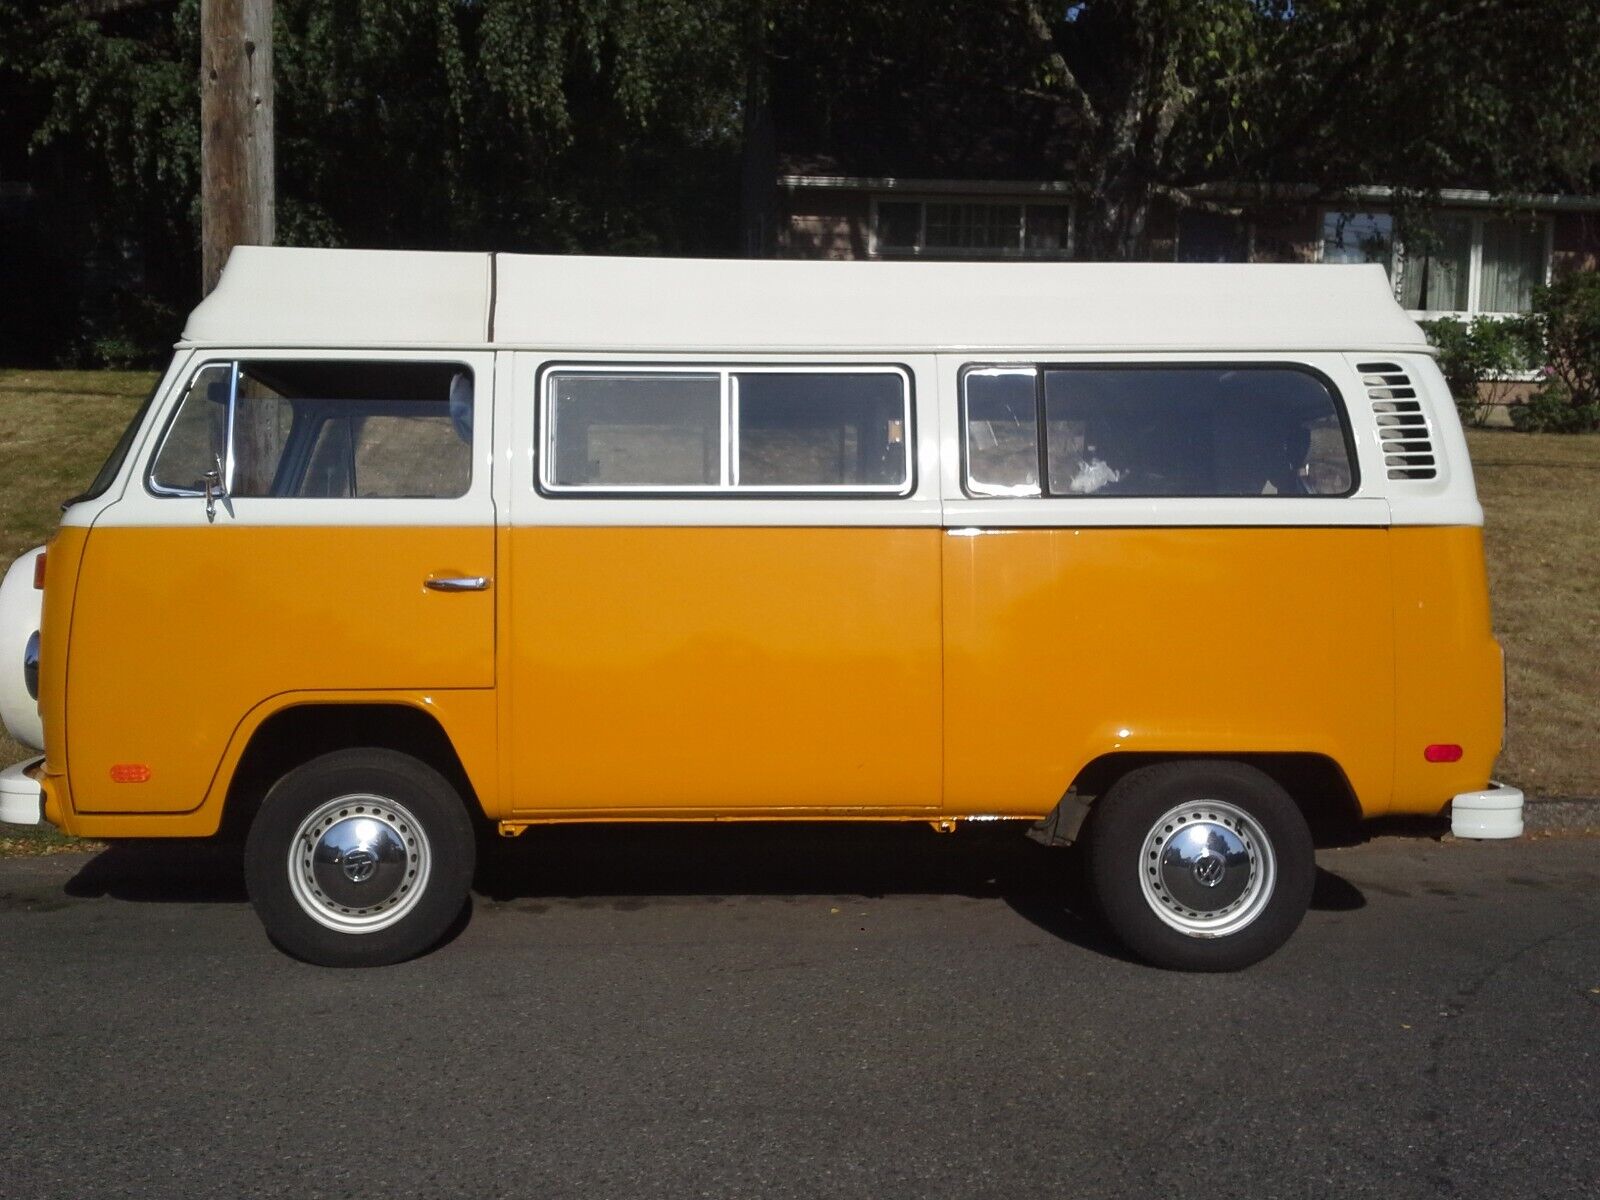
(359, 863)
(1207, 869)
(1200, 865)
(360, 858)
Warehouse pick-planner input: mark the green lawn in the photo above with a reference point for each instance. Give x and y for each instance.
(56, 428)
(1541, 493)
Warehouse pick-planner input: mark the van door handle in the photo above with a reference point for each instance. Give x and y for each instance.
(457, 583)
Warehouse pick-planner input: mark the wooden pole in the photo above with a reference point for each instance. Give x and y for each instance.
(237, 200)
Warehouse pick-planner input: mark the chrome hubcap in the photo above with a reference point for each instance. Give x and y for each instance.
(359, 863)
(1207, 868)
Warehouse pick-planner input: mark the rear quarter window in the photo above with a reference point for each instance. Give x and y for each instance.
(1201, 430)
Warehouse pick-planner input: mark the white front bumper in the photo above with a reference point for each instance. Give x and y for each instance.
(21, 801)
(20, 605)
(1495, 812)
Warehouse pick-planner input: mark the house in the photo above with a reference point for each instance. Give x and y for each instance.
(1473, 255)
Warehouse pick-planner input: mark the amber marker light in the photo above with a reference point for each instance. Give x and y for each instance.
(130, 773)
(1443, 752)
(38, 573)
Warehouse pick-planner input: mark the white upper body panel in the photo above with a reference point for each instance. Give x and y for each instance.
(277, 296)
(514, 316)
(285, 296)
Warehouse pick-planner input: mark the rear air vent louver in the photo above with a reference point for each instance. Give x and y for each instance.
(1402, 426)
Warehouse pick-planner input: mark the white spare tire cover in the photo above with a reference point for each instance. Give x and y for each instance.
(20, 603)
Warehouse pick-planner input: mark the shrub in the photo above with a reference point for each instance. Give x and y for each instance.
(1565, 325)
(1552, 410)
(1479, 359)
(121, 329)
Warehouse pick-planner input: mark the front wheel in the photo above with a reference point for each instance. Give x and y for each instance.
(1200, 866)
(359, 858)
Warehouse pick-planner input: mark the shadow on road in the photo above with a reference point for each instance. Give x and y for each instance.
(637, 863)
(164, 872)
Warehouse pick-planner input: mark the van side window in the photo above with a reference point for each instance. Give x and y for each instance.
(323, 429)
(197, 439)
(636, 429)
(803, 429)
(726, 430)
(1002, 431)
(1180, 430)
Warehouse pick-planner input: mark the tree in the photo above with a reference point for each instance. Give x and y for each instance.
(594, 125)
(622, 125)
(1140, 101)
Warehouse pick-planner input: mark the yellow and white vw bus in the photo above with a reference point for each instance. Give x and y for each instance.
(1178, 560)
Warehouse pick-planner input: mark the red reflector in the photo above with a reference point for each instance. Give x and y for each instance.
(130, 773)
(1442, 752)
(38, 572)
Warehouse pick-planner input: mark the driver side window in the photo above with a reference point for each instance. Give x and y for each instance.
(325, 429)
(197, 439)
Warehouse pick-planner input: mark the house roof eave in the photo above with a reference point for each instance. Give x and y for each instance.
(1291, 193)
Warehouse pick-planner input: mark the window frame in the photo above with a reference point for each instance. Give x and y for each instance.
(161, 490)
(727, 488)
(1476, 219)
(877, 249)
(233, 362)
(1042, 368)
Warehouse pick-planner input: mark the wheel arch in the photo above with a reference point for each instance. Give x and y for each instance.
(1316, 783)
(303, 729)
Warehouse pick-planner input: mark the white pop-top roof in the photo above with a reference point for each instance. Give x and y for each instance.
(376, 298)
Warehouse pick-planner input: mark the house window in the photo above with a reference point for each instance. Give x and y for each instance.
(1514, 262)
(1205, 237)
(970, 229)
(1358, 238)
(1436, 267)
(1458, 263)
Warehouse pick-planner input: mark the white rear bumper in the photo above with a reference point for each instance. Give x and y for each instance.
(1495, 812)
(21, 802)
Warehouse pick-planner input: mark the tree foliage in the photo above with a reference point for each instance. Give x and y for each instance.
(619, 125)
(1137, 101)
(570, 125)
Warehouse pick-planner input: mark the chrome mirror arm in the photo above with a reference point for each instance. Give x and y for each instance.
(216, 489)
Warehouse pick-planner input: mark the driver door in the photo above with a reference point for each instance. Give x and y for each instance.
(346, 546)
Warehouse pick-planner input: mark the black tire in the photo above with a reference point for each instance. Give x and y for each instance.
(411, 814)
(1134, 853)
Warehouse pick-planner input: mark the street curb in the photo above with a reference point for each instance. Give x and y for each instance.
(1561, 814)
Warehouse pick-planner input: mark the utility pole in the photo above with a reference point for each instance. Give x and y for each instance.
(237, 191)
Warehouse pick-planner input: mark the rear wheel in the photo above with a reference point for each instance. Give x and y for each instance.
(1200, 865)
(359, 858)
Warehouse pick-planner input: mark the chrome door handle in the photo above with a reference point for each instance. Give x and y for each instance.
(459, 583)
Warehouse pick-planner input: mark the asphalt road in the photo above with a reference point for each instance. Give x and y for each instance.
(807, 1012)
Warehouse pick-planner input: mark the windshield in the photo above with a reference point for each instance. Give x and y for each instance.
(119, 452)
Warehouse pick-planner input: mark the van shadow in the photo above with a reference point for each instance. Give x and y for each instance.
(629, 865)
(164, 872)
(632, 866)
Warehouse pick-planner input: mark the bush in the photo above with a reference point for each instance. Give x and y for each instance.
(1565, 326)
(1479, 359)
(122, 329)
(1552, 410)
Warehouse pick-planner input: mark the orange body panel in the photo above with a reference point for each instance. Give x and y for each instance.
(184, 633)
(1449, 681)
(1066, 644)
(724, 669)
(768, 672)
